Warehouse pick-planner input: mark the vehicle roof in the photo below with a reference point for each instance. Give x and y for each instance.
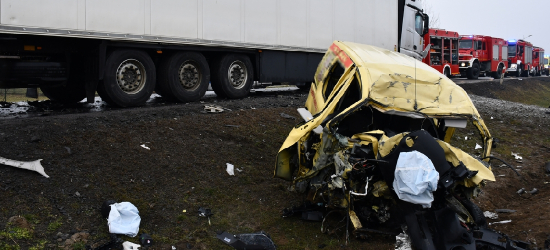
(397, 82)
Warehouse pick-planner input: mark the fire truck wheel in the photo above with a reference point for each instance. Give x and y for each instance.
(498, 74)
(473, 72)
(448, 73)
(129, 78)
(232, 77)
(183, 77)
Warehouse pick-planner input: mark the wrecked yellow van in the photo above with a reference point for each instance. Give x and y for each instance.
(375, 146)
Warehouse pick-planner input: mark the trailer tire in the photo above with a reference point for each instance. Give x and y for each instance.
(129, 78)
(73, 92)
(232, 76)
(473, 72)
(183, 77)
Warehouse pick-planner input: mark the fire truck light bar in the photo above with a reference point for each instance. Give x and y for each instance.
(512, 41)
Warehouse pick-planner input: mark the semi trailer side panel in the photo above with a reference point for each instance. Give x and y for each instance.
(291, 25)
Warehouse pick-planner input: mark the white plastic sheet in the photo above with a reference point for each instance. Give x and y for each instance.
(230, 169)
(124, 219)
(415, 178)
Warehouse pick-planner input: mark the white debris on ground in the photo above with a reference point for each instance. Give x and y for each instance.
(500, 222)
(145, 147)
(478, 146)
(230, 169)
(403, 242)
(490, 215)
(29, 165)
(517, 156)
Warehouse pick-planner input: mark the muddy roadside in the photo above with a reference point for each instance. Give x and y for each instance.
(92, 157)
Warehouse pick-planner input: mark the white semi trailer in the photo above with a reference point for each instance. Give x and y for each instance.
(126, 49)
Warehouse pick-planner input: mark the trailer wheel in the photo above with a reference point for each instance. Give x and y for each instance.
(232, 76)
(129, 78)
(183, 77)
(71, 93)
(473, 72)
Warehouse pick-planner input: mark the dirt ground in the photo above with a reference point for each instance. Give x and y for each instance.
(96, 156)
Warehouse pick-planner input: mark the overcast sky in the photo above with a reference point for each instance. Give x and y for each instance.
(508, 19)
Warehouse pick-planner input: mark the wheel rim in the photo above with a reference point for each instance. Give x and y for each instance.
(130, 76)
(189, 75)
(237, 74)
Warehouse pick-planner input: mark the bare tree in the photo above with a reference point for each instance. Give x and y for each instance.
(434, 17)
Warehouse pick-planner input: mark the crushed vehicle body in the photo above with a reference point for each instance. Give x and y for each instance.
(375, 147)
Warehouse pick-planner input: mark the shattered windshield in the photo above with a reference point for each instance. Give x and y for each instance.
(465, 44)
(512, 50)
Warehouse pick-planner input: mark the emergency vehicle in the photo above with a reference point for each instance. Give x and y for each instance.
(520, 57)
(538, 61)
(443, 54)
(546, 69)
(482, 55)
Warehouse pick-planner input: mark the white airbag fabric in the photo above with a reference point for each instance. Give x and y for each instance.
(124, 219)
(415, 178)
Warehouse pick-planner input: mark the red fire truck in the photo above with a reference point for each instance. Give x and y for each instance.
(538, 62)
(520, 57)
(482, 54)
(443, 54)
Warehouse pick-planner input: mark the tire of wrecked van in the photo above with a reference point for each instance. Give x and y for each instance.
(110, 92)
(475, 212)
(221, 82)
(170, 85)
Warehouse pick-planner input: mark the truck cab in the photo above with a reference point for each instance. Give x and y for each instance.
(482, 54)
(414, 26)
(520, 57)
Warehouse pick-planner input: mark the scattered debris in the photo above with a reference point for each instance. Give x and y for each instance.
(76, 238)
(478, 146)
(465, 138)
(214, 109)
(29, 165)
(145, 147)
(505, 211)
(515, 155)
(130, 246)
(35, 139)
(521, 191)
(500, 222)
(234, 126)
(283, 115)
(68, 150)
(258, 241)
(490, 215)
(205, 212)
(124, 219)
(145, 240)
(230, 169)
(534, 191)
(403, 242)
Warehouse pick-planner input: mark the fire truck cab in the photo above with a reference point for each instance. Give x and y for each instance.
(482, 55)
(443, 54)
(538, 61)
(520, 57)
